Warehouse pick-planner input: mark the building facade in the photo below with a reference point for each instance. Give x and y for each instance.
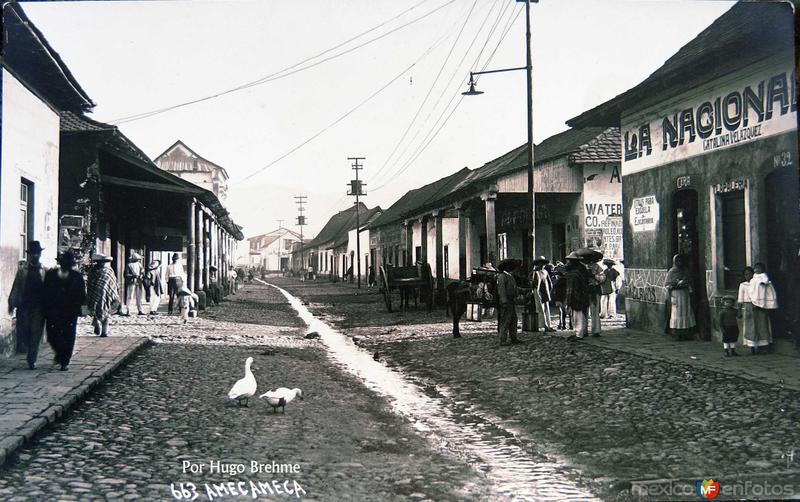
(184, 162)
(710, 168)
(273, 250)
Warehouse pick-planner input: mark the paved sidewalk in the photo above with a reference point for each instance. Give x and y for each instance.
(30, 400)
(781, 369)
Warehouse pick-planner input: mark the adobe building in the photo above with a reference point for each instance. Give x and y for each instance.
(710, 168)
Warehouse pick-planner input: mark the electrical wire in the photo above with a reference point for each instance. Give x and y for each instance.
(430, 90)
(346, 114)
(291, 70)
(425, 144)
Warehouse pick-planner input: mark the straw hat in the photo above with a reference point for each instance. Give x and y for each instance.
(507, 265)
(100, 257)
(541, 260)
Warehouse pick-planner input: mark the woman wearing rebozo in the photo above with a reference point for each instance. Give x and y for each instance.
(103, 293)
(680, 314)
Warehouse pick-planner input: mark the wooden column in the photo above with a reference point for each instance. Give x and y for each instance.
(489, 200)
(198, 248)
(206, 248)
(409, 243)
(439, 251)
(462, 242)
(190, 247)
(423, 224)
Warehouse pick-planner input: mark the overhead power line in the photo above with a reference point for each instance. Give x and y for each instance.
(346, 114)
(293, 69)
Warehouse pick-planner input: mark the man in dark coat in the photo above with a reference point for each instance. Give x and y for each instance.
(578, 297)
(506, 309)
(26, 297)
(64, 293)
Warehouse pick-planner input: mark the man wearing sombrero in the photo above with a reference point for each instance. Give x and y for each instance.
(506, 293)
(103, 293)
(26, 297)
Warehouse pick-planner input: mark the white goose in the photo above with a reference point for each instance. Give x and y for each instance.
(245, 388)
(280, 397)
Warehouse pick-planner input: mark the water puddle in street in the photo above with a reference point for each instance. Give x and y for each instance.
(457, 427)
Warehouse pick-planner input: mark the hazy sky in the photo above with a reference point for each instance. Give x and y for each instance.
(134, 57)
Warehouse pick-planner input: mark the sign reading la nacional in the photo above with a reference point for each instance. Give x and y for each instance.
(736, 113)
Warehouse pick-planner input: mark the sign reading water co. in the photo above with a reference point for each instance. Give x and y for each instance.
(733, 113)
(644, 214)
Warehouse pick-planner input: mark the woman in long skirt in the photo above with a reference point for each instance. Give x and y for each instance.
(764, 299)
(681, 321)
(748, 329)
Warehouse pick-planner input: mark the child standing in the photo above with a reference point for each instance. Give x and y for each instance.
(186, 300)
(728, 323)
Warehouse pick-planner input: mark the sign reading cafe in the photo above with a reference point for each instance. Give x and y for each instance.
(741, 112)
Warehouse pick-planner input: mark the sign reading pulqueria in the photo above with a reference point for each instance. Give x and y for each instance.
(745, 110)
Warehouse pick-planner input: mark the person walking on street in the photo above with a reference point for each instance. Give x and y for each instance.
(609, 289)
(152, 281)
(596, 278)
(560, 295)
(134, 273)
(506, 294)
(577, 299)
(64, 293)
(764, 299)
(102, 297)
(680, 315)
(186, 300)
(174, 271)
(542, 292)
(26, 297)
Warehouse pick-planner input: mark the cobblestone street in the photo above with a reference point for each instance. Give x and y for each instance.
(169, 404)
(617, 417)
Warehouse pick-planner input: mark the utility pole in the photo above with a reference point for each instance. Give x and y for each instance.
(529, 89)
(301, 221)
(357, 189)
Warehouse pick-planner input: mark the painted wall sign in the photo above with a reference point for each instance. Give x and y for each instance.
(730, 186)
(601, 218)
(752, 107)
(683, 182)
(644, 214)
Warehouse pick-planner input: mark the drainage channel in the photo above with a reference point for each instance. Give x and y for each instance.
(457, 427)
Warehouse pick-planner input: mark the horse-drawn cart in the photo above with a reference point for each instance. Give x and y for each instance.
(416, 280)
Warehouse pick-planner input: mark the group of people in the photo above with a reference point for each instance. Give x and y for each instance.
(580, 288)
(53, 299)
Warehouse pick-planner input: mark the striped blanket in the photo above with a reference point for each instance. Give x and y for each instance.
(103, 292)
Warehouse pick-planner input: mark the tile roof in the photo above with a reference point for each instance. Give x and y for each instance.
(74, 122)
(418, 197)
(28, 54)
(605, 147)
(747, 33)
(339, 224)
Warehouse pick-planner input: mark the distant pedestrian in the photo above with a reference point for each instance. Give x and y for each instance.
(578, 297)
(174, 271)
(728, 324)
(542, 287)
(64, 293)
(152, 281)
(506, 309)
(596, 278)
(371, 277)
(214, 290)
(560, 295)
(103, 293)
(134, 290)
(764, 298)
(680, 314)
(609, 289)
(187, 300)
(26, 297)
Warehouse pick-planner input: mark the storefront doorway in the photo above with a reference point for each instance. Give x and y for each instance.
(685, 241)
(783, 246)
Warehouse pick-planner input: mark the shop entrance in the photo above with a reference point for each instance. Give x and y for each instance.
(685, 241)
(783, 246)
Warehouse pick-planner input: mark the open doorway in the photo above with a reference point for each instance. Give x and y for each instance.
(685, 241)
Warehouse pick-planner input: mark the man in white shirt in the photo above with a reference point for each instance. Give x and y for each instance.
(174, 271)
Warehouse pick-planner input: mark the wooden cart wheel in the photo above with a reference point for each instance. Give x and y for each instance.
(387, 298)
